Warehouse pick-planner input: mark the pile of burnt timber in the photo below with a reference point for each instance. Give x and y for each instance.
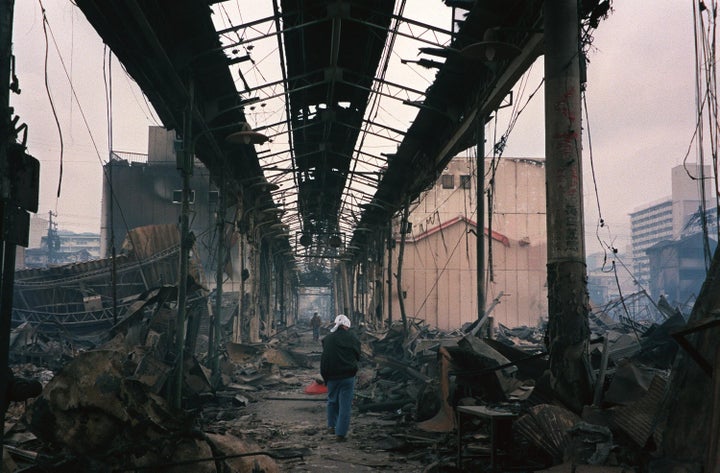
(459, 400)
(425, 376)
(106, 409)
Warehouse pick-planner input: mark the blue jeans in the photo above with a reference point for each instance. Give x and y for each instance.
(339, 404)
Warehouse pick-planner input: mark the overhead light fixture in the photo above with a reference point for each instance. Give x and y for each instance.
(271, 210)
(305, 239)
(490, 51)
(264, 185)
(335, 241)
(369, 205)
(246, 137)
(248, 101)
(491, 48)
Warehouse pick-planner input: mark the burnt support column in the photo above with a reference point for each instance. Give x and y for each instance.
(347, 298)
(185, 166)
(242, 303)
(480, 217)
(219, 274)
(568, 332)
(253, 310)
(390, 246)
(7, 249)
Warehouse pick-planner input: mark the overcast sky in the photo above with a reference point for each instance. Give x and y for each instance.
(640, 95)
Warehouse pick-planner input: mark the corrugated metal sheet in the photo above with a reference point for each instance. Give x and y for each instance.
(150, 260)
(640, 419)
(546, 426)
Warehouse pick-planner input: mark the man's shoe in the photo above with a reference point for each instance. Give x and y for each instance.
(331, 430)
(340, 438)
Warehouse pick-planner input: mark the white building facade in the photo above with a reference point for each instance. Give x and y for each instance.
(667, 219)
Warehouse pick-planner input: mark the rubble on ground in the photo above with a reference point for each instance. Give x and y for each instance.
(106, 408)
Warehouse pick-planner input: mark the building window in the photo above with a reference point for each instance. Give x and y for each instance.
(465, 181)
(448, 181)
(177, 197)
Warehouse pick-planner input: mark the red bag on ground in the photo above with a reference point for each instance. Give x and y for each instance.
(316, 388)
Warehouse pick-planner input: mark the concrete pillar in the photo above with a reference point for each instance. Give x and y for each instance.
(568, 331)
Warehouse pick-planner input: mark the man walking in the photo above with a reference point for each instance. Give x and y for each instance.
(315, 324)
(338, 366)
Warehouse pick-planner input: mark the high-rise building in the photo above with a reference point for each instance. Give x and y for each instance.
(667, 218)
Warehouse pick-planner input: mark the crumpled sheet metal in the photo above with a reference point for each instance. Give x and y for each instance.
(547, 426)
(92, 404)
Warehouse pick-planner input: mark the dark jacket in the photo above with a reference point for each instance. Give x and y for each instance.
(340, 356)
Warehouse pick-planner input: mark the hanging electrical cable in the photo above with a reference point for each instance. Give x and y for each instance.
(707, 107)
(49, 95)
(107, 80)
(47, 28)
(401, 252)
(605, 245)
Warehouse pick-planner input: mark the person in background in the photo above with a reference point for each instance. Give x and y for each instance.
(315, 324)
(338, 366)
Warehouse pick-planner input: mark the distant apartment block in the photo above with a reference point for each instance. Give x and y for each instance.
(60, 247)
(667, 218)
(648, 227)
(678, 268)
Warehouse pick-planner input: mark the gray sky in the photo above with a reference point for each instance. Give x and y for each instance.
(640, 95)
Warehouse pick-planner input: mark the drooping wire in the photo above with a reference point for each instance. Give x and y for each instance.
(72, 87)
(49, 95)
(107, 81)
(499, 146)
(149, 113)
(705, 61)
(601, 221)
(113, 197)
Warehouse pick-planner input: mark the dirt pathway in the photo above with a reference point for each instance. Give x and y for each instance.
(375, 441)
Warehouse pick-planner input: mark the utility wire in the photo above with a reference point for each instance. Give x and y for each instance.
(46, 26)
(601, 221)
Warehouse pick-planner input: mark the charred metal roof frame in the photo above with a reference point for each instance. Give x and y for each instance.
(342, 166)
(464, 89)
(326, 109)
(169, 47)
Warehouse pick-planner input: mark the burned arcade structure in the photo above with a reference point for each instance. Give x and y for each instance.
(200, 357)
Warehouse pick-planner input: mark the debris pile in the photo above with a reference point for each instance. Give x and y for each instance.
(421, 378)
(106, 409)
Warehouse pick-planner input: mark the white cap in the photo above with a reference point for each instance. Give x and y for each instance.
(340, 320)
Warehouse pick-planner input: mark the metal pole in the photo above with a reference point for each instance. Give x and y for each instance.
(391, 245)
(215, 364)
(186, 168)
(283, 279)
(568, 332)
(6, 291)
(237, 333)
(8, 249)
(480, 217)
(113, 250)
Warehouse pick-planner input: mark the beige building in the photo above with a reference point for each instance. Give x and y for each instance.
(439, 265)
